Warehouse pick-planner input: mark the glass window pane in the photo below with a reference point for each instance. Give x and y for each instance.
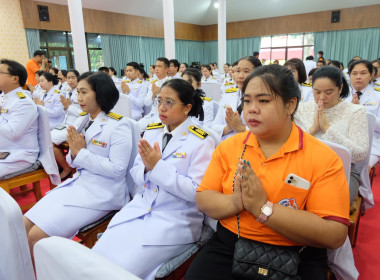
(70, 39)
(94, 40)
(96, 59)
(294, 53)
(73, 64)
(308, 51)
(43, 38)
(278, 54)
(295, 39)
(279, 41)
(57, 39)
(265, 42)
(309, 39)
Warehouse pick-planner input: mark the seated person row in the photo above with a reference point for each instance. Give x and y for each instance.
(100, 149)
(299, 72)
(51, 99)
(18, 120)
(330, 118)
(248, 176)
(162, 219)
(228, 119)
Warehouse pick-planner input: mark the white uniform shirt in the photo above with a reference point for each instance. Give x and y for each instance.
(137, 95)
(210, 80)
(53, 104)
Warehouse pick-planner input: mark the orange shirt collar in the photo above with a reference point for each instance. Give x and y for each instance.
(294, 142)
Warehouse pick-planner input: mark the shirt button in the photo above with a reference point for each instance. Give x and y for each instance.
(264, 163)
(155, 190)
(149, 209)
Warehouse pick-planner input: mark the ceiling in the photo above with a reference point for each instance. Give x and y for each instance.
(202, 12)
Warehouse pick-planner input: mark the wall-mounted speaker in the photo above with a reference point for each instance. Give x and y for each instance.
(335, 16)
(43, 12)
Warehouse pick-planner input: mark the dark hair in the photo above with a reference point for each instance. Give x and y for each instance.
(51, 78)
(335, 63)
(106, 92)
(40, 72)
(208, 68)
(135, 65)
(175, 63)
(186, 65)
(16, 69)
(367, 63)
(49, 61)
(279, 80)
(253, 60)
(142, 71)
(113, 70)
(235, 63)
(255, 53)
(187, 95)
(375, 71)
(376, 60)
(298, 64)
(341, 64)
(64, 73)
(76, 73)
(165, 61)
(55, 70)
(38, 53)
(153, 66)
(310, 57)
(335, 75)
(104, 69)
(227, 64)
(312, 71)
(321, 61)
(320, 52)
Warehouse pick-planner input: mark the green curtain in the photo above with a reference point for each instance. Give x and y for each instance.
(189, 51)
(32, 40)
(210, 52)
(238, 48)
(342, 45)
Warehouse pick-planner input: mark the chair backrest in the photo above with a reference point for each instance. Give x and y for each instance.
(344, 154)
(15, 261)
(212, 91)
(61, 259)
(123, 106)
(46, 156)
(365, 189)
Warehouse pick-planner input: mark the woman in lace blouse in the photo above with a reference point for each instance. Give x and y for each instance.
(330, 118)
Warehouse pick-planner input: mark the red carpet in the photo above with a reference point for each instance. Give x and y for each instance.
(366, 252)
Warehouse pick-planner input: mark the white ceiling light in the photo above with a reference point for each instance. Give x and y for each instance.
(216, 5)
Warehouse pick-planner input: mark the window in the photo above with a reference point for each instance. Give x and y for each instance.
(285, 47)
(59, 48)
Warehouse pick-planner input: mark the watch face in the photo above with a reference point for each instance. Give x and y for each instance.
(267, 210)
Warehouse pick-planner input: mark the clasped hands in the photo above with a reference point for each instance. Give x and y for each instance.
(149, 155)
(125, 88)
(249, 193)
(233, 122)
(38, 102)
(76, 141)
(321, 122)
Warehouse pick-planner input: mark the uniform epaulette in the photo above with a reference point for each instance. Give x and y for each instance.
(152, 82)
(127, 81)
(83, 113)
(154, 126)
(198, 132)
(376, 88)
(115, 116)
(57, 91)
(139, 81)
(231, 90)
(307, 84)
(214, 78)
(376, 84)
(20, 95)
(206, 98)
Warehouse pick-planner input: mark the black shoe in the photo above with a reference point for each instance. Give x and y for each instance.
(67, 176)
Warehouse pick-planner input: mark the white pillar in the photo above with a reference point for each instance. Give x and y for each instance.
(222, 34)
(169, 34)
(77, 31)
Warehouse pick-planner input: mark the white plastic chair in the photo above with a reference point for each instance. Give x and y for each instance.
(61, 259)
(365, 189)
(212, 91)
(123, 106)
(15, 261)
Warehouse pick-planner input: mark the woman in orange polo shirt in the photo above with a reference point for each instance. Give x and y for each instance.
(289, 189)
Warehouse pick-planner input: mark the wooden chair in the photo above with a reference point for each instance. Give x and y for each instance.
(355, 214)
(33, 177)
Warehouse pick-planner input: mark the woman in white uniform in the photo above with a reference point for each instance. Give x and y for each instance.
(299, 72)
(59, 134)
(193, 76)
(162, 220)
(100, 149)
(228, 120)
(51, 99)
(363, 93)
(208, 77)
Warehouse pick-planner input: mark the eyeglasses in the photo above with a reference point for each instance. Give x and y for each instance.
(1, 72)
(168, 104)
